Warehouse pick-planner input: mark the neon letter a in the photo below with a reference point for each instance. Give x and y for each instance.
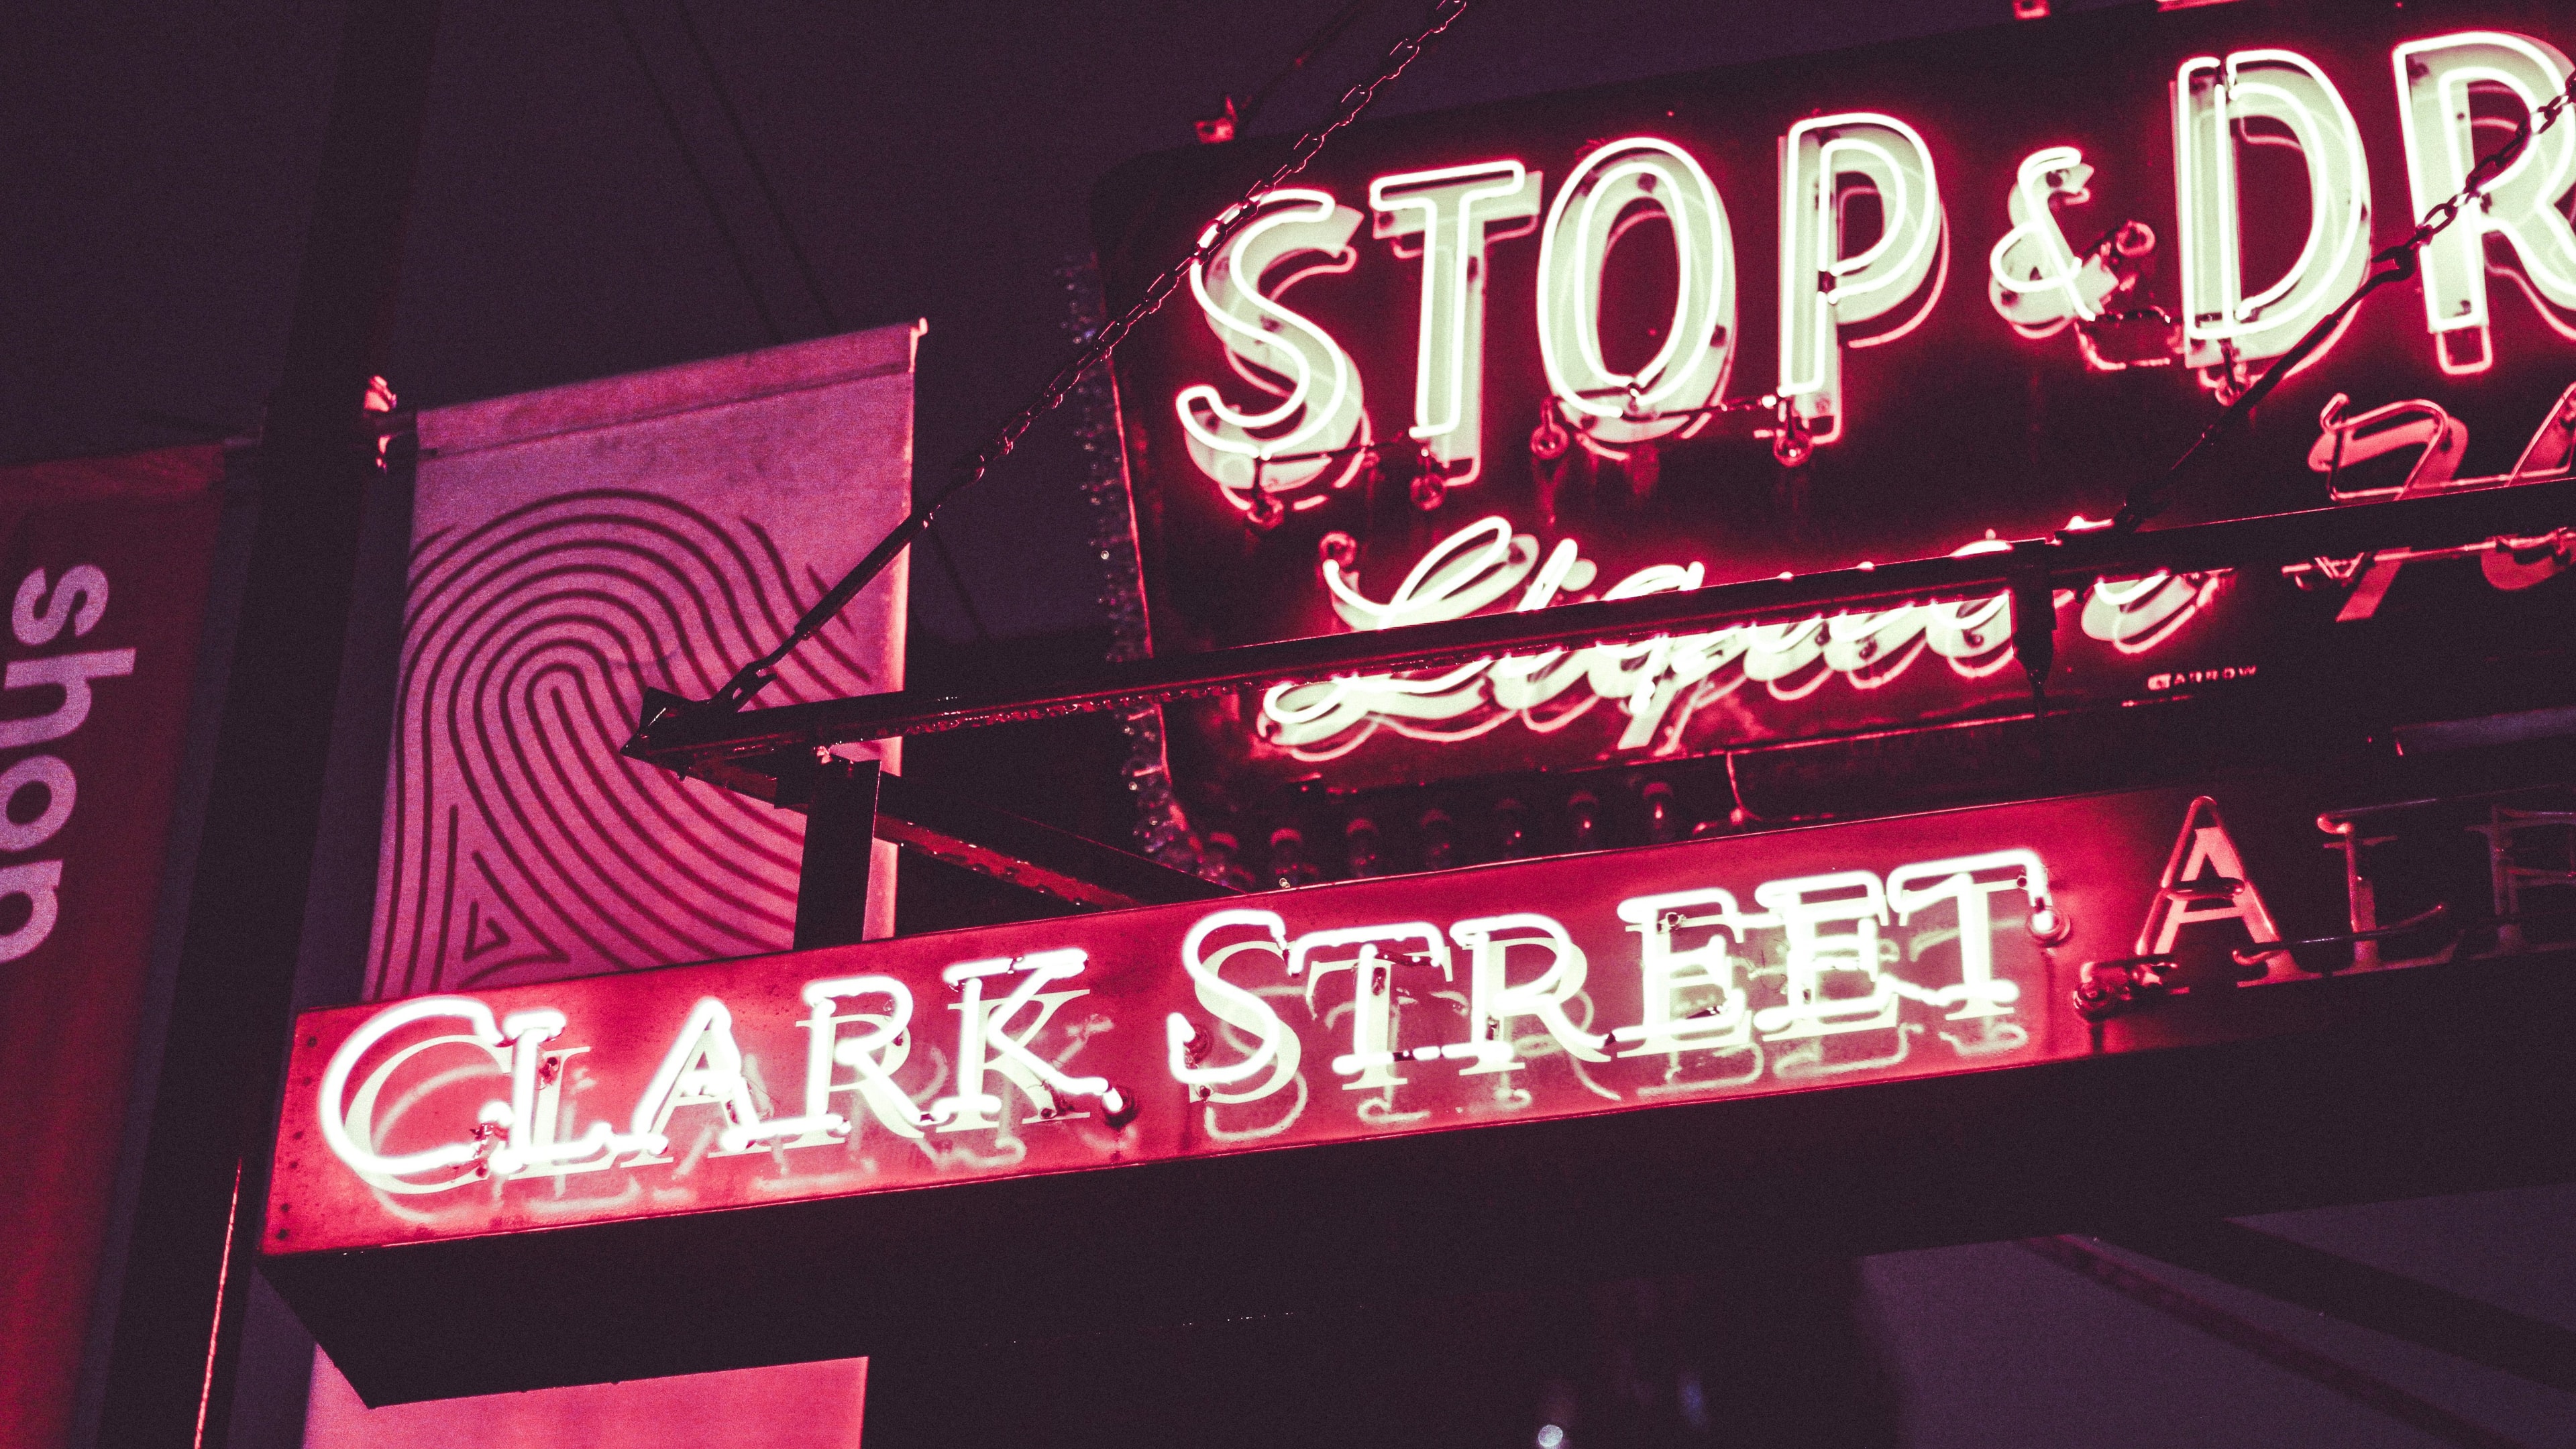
(2205, 846)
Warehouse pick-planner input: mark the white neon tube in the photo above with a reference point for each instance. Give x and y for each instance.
(1275, 451)
(2227, 333)
(2524, 205)
(332, 1097)
(1826, 293)
(1607, 409)
(1454, 212)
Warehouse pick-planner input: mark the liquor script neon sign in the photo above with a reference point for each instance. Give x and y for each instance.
(1659, 684)
(1842, 287)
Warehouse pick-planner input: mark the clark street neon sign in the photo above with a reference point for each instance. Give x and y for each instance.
(1543, 989)
(1846, 285)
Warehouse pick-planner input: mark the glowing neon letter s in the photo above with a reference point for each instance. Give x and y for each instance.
(2215, 103)
(1452, 211)
(1236, 1007)
(1601, 199)
(332, 1098)
(1278, 351)
(1825, 292)
(2522, 206)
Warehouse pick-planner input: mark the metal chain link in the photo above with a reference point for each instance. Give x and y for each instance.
(749, 680)
(1103, 343)
(2392, 263)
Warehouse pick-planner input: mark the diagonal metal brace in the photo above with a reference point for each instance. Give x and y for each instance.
(922, 817)
(2366, 1389)
(2374, 1298)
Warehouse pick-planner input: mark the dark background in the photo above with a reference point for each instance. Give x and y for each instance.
(157, 159)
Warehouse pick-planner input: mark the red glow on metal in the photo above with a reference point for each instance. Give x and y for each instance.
(215, 1330)
(1546, 989)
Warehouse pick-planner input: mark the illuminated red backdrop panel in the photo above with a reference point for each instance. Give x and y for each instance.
(1610, 983)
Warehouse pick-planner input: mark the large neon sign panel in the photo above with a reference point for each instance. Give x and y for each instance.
(1549, 989)
(1706, 329)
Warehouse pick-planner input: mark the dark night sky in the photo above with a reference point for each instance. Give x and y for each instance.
(156, 161)
(934, 161)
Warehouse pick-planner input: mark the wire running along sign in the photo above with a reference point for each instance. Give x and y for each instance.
(1575, 986)
(1876, 305)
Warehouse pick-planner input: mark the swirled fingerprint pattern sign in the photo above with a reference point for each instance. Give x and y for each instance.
(571, 548)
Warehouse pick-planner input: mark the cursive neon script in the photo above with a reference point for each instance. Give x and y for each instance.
(1659, 684)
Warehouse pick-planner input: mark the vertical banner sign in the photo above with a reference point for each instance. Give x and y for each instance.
(103, 569)
(572, 547)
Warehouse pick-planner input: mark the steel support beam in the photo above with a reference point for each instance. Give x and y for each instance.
(2374, 1298)
(2368, 1390)
(179, 1317)
(840, 839)
(735, 750)
(1072, 868)
(849, 804)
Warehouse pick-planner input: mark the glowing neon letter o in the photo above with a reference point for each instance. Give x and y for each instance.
(1596, 204)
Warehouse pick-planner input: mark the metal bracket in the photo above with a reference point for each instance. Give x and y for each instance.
(2109, 988)
(840, 802)
(1079, 871)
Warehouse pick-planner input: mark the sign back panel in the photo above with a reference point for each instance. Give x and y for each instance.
(1555, 989)
(571, 548)
(1883, 304)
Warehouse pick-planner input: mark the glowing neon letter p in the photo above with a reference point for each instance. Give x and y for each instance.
(1826, 292)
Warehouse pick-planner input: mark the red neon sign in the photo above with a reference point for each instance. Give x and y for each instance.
(1848, 284)
(1545, 989)
(1878, 305)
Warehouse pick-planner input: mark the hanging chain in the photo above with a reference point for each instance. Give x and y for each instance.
(2393, 263)
(751, 678)
(2484, 174)
(1106, 340)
